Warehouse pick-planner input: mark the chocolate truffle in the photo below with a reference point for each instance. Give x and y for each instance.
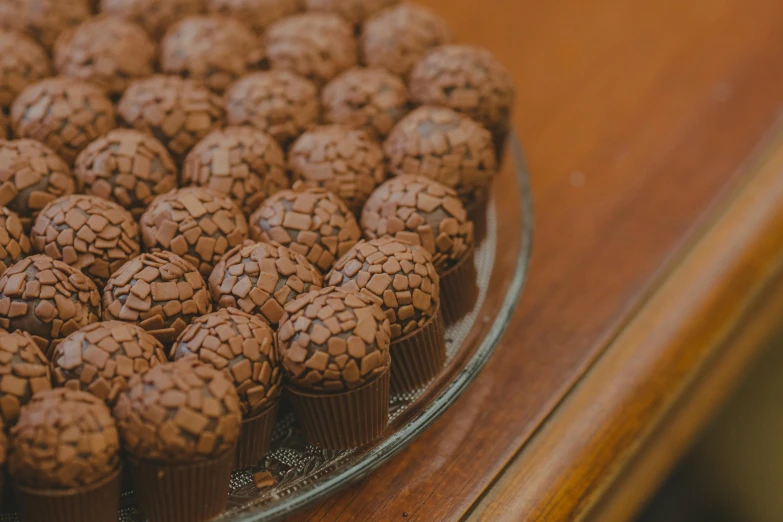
(179, 412)
(310, 221)
(48, 299)
(371, 99)
(64, 113)
(240, 345)
(398, 37)
(160, 292)
(14, 243)
(469, 80)
(419, 211)
(108, 52)
(22, 62)
(399, 277)
(319, 46)
(333, 340)
(355, 11)
(102, 357)
(257, 14)
(153, 15)
(31, 177)
(196, 223)
(241, 162)
(64, 439)
(448, 147)
(128, 167)
(280, 103)
(344, 161)
(260, 278)
(214, 50)
(176, 111)
(44, 20)
(87, 232)
(24, 371)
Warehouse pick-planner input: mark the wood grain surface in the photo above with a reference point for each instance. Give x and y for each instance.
(635, 117)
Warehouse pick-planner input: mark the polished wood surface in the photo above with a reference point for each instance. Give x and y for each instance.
(636, 118)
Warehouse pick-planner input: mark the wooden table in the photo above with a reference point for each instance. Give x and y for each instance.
(657, 174)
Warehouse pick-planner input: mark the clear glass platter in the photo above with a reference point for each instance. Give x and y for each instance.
(304, 474)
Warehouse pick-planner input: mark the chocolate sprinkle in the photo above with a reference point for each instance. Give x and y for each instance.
(260, 278)
(153, 15)
(399, 277)
(160, 292)
(241, 162)
(179, 412)
(196, 223)
(14, 243)
(419, 211)
(310, 221)
(334, 340)
(102, 357)
(64, 439)
(44, 20)
(243, 347)
(22, 62)
(258, 14)
(24, 371)
(47, 298)
(89, 233)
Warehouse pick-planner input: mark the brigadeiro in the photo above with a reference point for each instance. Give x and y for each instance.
(243, 347)
(257, 14)
(87, 232)
(396, 38)
(450, 148)
(160, 292)
(196, 223)
(371, 99)
(176, 111)
(153, 15)
(280, 103)
(312, 222)
(180, 423)
(48, 299)
(101, 358)
(469, 80)
(14, 243)
(214, 50)
(22, 62)
(355, 11)
(128, 167)
(24, 371)
(106, 51)
(335, 352)
(65, 459)
(260, 278)
(64, 113)
(31, 176)
(344, 161)
(241, 162)
(420, 211)
(402, 280)
(318, 46)
(44, 20)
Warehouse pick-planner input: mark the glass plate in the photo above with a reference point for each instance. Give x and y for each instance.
(305, 474)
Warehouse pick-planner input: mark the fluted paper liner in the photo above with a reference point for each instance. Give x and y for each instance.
(98, 502)
(418, 356)
(477, 213)
(343, 420)
(192, 492)
(459, 289)
(256, 437)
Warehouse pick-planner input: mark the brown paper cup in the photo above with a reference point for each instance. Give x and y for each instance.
(256, 437)
(477, 213)
(96, 503)
(459, 289)
(418, 356)
(343, 420)
(192, 492)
